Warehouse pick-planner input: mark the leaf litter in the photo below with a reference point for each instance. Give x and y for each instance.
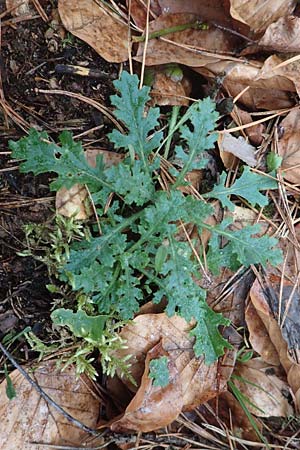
(272, 310)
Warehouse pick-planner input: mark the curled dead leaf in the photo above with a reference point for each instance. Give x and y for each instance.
(280, 319)
(238, 147)
(272, 92)
(259, 14)
(259, 336)
(283, 35)
(28, 418)
(191, 381)
(263, 387)
(153, 407)
(288, 146)
(98, 26)
(254, 133)
(138, 11)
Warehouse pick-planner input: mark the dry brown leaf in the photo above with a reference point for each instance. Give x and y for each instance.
(288, 146)
(259, 336)
(73, 202)
(283, 35)
(213, 10)
(266, 392)
(153, 407)
(238, 147)
(161, 52)
(138, 11)
(266, 87)
(230, 297)
(191, 381)
(216, 11)
(97, 26)
(266, 303)
(285, 78)
(242, 217)
(18, 7)
(167, 90)
(28, 418)
(254, 133)
(259, 14)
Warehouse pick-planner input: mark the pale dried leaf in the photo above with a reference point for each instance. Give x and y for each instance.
(161, 52)
(97, 26)
(285, 335)
(263, 388)
(259, 336)
(259, 14)
(28, 418)
(18, 7)
(266, 88)
(283, 35)
(74, 202)
(288, 146)
(239, 147)
(169, 91)
(285, 78)
(191, 381)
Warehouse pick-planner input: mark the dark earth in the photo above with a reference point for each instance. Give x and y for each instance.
(31, 50)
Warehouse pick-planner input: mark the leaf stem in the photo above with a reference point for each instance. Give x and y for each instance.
(172, 124)
(196, 25)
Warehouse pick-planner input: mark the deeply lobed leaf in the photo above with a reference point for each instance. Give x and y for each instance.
(67, 160)
(138, 253)
(247, 186)
(130, 109)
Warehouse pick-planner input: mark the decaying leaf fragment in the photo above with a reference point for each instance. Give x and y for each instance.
(267, 89)
(259, 14)
(169, 86)
(283, 35)
(191, 381)
(288, 146)
(266, 392)
(174, 48)
(282, 327)
(98, 26)
(28, 418)
(18, 7)
(238, 147)
(255, 133)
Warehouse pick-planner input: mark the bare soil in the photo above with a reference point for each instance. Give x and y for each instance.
(31, 50)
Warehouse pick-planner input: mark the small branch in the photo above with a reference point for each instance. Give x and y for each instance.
(45, 396)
